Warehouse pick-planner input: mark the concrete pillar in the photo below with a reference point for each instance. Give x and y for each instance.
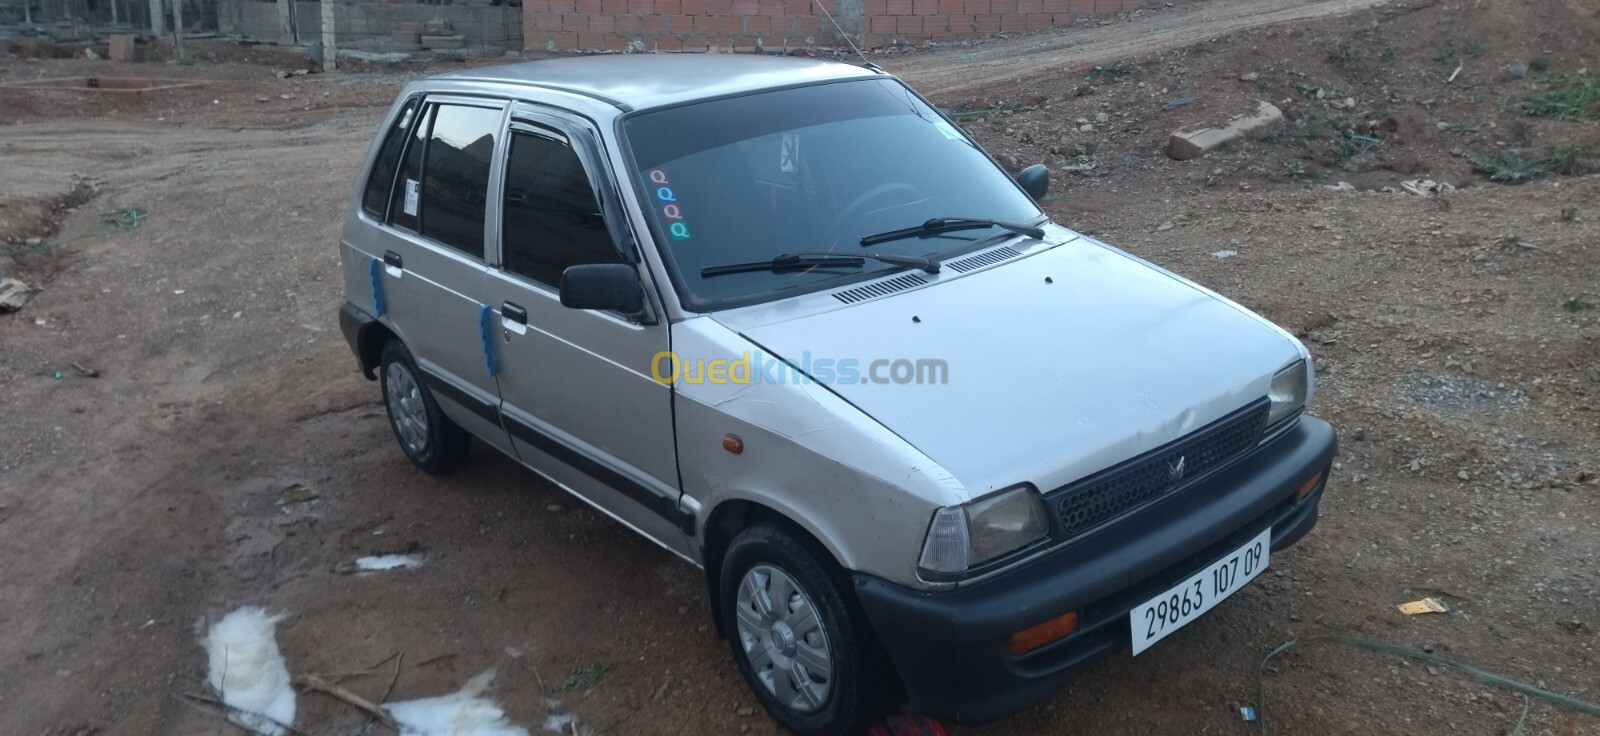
(286, 25)
(330, 40)
(177, 27)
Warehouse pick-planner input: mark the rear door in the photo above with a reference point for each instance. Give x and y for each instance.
(579, 401)
(429, 244)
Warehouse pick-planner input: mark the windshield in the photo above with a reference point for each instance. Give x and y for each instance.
(809, 170)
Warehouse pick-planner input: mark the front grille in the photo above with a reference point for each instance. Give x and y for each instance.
(1111, 493)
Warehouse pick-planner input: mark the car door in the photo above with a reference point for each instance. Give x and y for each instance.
(430, 248)
(579, 400)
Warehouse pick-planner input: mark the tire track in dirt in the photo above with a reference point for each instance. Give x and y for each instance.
(964, 71)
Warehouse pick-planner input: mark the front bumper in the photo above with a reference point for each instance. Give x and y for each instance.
(950, 646)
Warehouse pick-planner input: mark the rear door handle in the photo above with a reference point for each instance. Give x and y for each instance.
(514, 313)
(391, 258)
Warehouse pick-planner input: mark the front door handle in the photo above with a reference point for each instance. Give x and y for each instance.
(514, 313)
(391, 258)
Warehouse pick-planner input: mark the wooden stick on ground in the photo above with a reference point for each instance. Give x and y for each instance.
(317, 684)
(209, 704)
(399, 659)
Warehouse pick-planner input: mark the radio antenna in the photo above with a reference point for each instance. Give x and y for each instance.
(844, 35)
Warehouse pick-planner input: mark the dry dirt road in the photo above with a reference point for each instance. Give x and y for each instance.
(959, 70)
(228, 454)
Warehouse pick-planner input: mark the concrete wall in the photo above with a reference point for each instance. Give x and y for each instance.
(672, 25)
(377, 26)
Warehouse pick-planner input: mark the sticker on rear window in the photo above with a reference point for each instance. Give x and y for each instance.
(671, 211)
(412, 191)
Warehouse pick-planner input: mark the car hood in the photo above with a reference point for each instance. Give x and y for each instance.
(1059, 364)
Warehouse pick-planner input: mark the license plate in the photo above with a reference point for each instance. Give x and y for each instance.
(1184, 602)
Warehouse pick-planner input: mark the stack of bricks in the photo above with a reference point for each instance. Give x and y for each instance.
(770, 25)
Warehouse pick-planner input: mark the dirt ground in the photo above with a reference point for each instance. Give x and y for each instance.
(227, 453)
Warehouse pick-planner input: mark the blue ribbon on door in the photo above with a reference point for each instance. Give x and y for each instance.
(491, 359)
(375, 271)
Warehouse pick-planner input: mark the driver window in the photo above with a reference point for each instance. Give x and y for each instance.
(551, 219)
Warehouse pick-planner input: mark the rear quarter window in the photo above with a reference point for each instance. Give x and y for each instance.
(376, 197)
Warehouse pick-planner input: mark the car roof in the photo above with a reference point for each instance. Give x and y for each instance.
(641, 81)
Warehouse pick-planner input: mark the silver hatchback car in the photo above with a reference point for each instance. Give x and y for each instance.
(788, 321)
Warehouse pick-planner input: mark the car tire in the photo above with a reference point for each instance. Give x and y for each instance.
(810, 658)
(428, 438)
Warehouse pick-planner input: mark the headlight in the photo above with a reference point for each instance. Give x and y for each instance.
(963, 537)
(1288, 392)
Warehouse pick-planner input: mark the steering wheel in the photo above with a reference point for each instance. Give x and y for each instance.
(859, 205)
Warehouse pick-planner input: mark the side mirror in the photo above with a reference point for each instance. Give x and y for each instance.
(613, 286)
(1035, 180)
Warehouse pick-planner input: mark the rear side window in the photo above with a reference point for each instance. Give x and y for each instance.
(455, 185)
(376, 196)
(551, 217)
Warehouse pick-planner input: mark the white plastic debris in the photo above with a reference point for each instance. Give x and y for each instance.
(1427, 187)
(248, 672)
(389, 562)
(1225, 254)
(462, 713)
(1342, 186)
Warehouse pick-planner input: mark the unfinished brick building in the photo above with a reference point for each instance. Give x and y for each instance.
(743, 25)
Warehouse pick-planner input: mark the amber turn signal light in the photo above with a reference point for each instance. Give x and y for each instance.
(733, 444)
(1310, 485)
(1034, 637)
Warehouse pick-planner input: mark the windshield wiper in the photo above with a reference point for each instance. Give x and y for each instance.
(794, 261)
(950, 224)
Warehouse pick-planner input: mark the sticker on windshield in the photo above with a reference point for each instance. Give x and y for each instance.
(671, 211)
(789, 153)
(947, 129)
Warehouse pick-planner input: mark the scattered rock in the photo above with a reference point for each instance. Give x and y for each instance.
(1194, 142)
(1165, 226)
(1516, 70)
(1101, 117)
(13, 294)
(1360, 163)
(1224, 254)
(745, 710)
(1249, 77)
(1178, 100)
(297, 494)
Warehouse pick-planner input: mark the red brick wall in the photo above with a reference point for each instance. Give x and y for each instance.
(744, 25)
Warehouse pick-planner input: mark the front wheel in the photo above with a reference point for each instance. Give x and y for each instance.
(428, 437)
(801, 644)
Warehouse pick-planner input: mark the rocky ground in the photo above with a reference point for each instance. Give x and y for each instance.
(184, 432)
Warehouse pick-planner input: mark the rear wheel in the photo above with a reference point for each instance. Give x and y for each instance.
(802, 645)
(427, 437)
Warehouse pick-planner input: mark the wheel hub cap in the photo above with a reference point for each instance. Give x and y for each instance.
(784, 638)
(406, 408)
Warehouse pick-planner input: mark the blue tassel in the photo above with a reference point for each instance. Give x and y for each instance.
(491, 360)
(375, 270)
